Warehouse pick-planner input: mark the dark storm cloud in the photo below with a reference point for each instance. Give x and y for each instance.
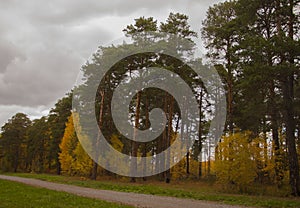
(44, 43)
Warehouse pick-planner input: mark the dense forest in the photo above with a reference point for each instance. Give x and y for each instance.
(254, 46)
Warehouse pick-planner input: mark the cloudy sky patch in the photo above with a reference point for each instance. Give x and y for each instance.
(43, 44)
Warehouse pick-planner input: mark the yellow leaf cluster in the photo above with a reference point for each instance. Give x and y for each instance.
(235, 160)
(74, 160)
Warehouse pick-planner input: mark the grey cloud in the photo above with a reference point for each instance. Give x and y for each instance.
(53, 55)
(38, 80)
(8, 53)
(7, 111)
(70, 11)
(44, 43)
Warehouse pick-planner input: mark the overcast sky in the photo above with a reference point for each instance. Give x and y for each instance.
(44, 43)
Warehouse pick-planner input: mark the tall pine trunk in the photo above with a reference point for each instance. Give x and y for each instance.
(134, 144)
(200, 133)
(95, 164)
(169, 137)
(287, 83)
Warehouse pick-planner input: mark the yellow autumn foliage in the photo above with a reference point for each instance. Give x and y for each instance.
(110, 157)
(74, 160)
(67, 145)
(235, 163)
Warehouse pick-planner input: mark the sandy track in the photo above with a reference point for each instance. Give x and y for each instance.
(137, 200)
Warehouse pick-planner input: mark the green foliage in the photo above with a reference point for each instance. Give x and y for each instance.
(13, 143)
(256, 48)
(178, 24)
(142, 25)
(38, 145)
(57, 120)
(145, 29)
(220, 36)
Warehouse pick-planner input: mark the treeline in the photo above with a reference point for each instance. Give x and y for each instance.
(254, 45)
(33, 146)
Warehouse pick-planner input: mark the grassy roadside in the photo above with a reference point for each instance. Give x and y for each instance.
(16, 195)
(193, 191)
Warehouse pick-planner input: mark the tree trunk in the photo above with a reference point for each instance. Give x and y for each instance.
(290, 137)
(169, 137)
(277, 153)
(58, 168)
(187, 135)
(230, 87)
(134, 144)
(94, 171)
(95, 164)
(200, 135)
(208, 159)
(288, 105)
(144, 153)
(188, 163)
(16, 161)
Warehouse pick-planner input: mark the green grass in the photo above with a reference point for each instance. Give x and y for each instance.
(193, 190)
(17, 195)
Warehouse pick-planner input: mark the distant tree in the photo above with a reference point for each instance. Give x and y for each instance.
(142, 30)
(177, 24)
(37, 145)
(67, 147)
(57, 120)
(13, 142)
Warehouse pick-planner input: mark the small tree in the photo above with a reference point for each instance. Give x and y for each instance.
(13, 142)
(73, 159)
(235, 161)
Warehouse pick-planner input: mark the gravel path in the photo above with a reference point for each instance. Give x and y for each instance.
(137, 200)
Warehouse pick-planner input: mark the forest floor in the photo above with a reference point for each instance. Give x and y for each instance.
(153, 192)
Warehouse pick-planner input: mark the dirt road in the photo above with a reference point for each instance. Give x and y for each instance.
(137, 200)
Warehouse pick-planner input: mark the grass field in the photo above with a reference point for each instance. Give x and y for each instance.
(16, 195)
(193, 190)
